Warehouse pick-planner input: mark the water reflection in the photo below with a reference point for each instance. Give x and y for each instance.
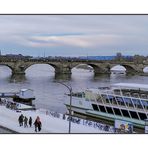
(100, 76)
(62, 77)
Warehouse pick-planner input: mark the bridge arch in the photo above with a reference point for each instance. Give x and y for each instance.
(129, 69)
(41, 67)
(56, 68)
(118, 69)
(145, 69)
(82, 68)
(97, 69)
(8, 66)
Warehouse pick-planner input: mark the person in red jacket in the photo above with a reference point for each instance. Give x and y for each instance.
(37, 124)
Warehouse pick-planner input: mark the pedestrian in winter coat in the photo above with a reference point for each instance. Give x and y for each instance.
(21, 119)
(25, 122)
(37, 124)
(64, 116)
(30, 121)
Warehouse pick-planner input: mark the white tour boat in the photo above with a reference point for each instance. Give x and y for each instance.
(121, 101)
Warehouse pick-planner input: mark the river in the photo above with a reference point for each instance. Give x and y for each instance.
(50, 95)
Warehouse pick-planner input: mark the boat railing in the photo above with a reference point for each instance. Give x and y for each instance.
(8, 104)
(132, 94)
(123, 96)
(113, 103)
(121, 101)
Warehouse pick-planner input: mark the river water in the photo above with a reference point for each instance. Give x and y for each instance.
(50, 95)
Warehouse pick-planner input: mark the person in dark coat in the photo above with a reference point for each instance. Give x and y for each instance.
(64, 116)
(21, 119)
(37, 124)
(30, 121)
(25, 122)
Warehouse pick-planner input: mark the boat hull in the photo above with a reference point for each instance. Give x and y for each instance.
(97, 115)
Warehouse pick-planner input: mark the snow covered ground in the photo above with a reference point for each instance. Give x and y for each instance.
(9, 119)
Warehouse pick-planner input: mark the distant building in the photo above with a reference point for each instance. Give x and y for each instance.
(15, 55)
(98, 58)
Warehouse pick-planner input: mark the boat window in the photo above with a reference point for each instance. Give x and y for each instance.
(142, 116)
(104, 96)
(107, 100)
(137, 103)
(86, 99)
(109, 110)
(93, 100)
(95, 107)
(117, 91)
(120, 101)
(134, 115)
(117, 111)
(144, 96)
(128, 102)
(125, 113)
(99, 100)
(114, 101)
(102, 108)
(127, 94)
(145, 104)
(136, 95)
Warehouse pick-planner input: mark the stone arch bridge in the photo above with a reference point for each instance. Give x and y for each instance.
(65, 66)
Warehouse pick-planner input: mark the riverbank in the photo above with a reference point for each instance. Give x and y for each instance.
(9, 119)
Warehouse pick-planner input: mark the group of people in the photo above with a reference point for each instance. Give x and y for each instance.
(23, 120)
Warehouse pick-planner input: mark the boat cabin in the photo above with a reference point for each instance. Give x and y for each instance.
(26, 94)
(131, 89)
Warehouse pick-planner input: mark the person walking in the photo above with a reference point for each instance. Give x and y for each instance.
(37, 124)
(21, 119)
(30, 121)
(25, 122)
(64, 116)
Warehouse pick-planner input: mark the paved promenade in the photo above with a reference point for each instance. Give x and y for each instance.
(9, 119)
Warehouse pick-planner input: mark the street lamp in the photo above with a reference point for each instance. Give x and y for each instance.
(70, 112)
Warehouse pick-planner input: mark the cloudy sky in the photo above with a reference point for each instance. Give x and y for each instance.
(74, 35)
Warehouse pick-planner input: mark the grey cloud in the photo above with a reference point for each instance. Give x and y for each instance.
(94, 32)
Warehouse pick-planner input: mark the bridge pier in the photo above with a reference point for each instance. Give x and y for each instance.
(63, 70)
(17, 78)
(18, 71)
